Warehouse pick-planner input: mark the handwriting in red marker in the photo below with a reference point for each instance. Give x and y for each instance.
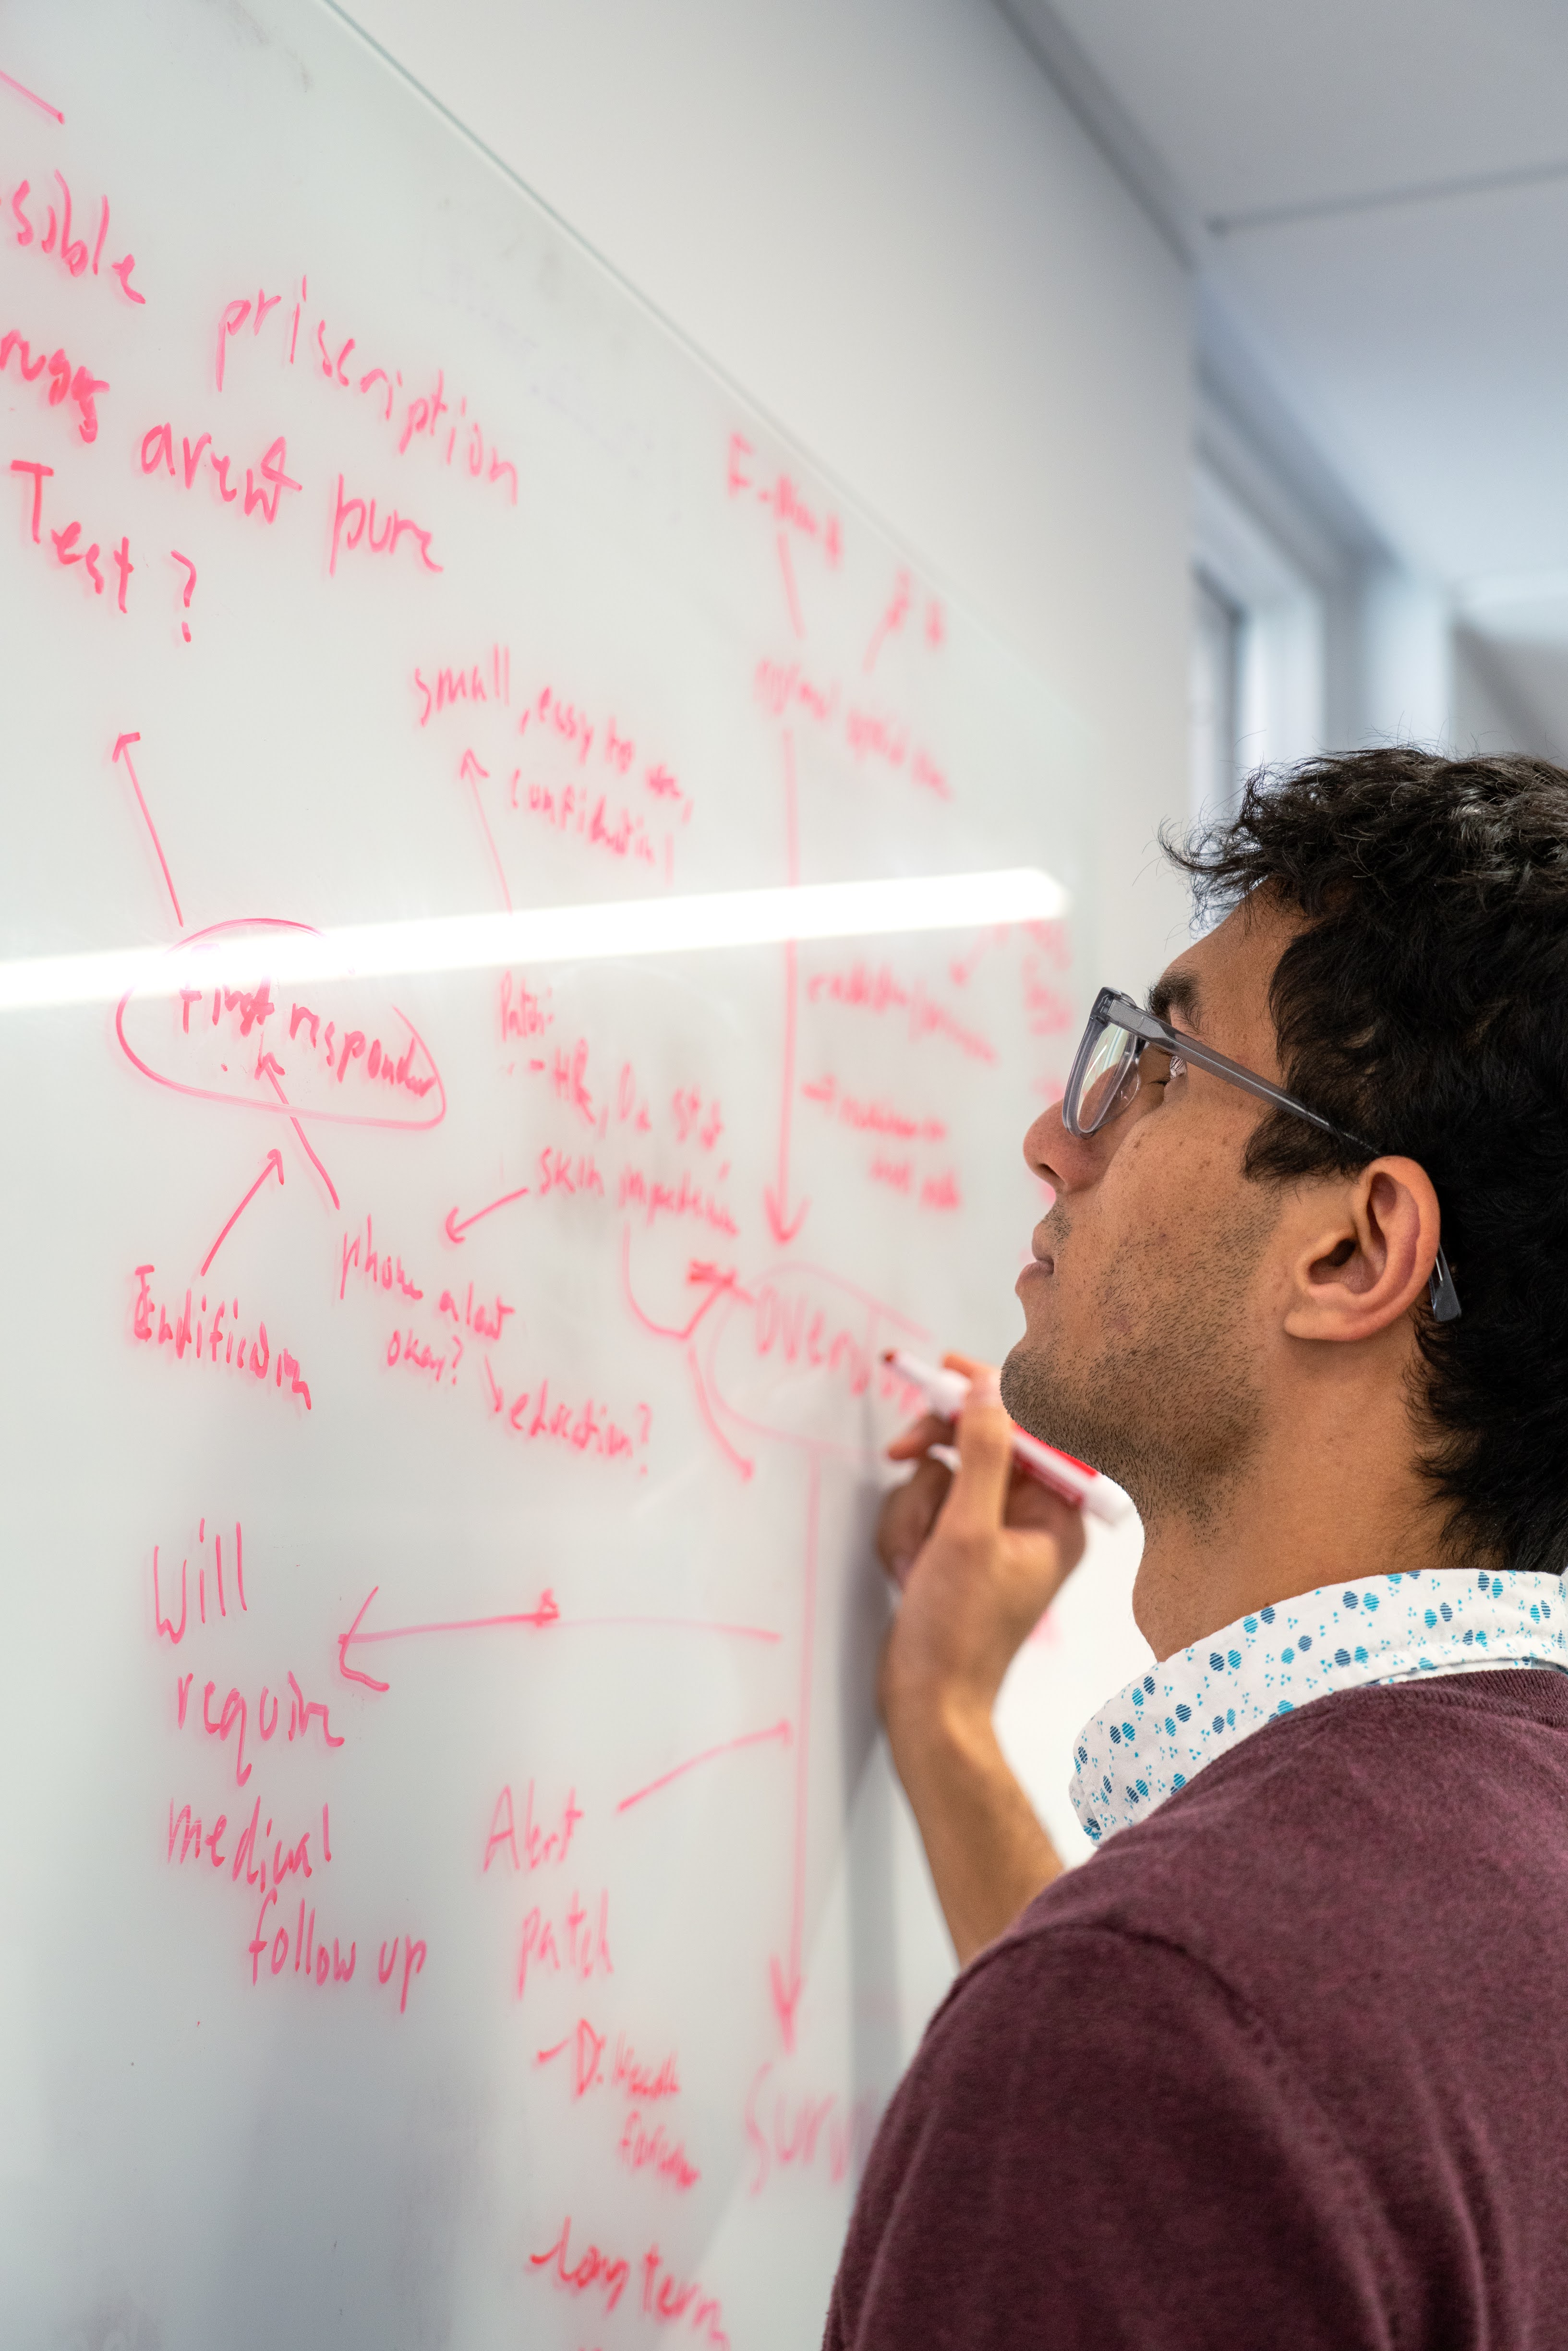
(656, 2149)
(165, 1623)
(190, 589)
(875, 1117)
(274, 1165)
(559, 1171)
(57, 241)
(581, 1951)
(794, 520)
(594, 2269)
(795, 2132)
(481, 461)
(622, 831)
(186, 1829)
(414, 1962)
(542, 1850)
(361, 520)
(871, 734)
(665, 2297)
(158, 453)
(241, 1352)
(235, 1715)
(860, 988)
(304, 1945)
(657, 1199)
(588, 1428)
(467, 684)
(785, 691)
(235, 1043)
(416, 1355)
(892, 621)
(79, 384)
(66, 543)
(376, 1267)
(122, 751)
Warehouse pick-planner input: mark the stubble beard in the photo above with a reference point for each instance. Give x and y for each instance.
(1167, 1402)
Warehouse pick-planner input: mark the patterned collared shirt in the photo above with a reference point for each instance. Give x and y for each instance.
(1151, 1737)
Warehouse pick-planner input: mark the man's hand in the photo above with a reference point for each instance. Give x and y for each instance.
(979, 1554)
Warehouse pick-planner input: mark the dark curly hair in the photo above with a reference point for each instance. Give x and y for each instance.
(1424, 1006)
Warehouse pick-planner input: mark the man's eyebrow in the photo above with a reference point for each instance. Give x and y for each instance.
(1177, 991)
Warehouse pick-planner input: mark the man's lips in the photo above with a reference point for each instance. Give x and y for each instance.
(1044, 1241)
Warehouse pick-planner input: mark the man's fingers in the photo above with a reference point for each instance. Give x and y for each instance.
(907, 1517)
(979, 1492)
(918, 1438)
(1032, 1509)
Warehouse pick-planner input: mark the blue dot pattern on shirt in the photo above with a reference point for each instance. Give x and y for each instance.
(1390, 1628)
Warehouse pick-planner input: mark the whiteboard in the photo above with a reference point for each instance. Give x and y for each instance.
(454, 1883)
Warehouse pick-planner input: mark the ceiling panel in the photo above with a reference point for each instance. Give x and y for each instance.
(1261, 102)
(1428, 350)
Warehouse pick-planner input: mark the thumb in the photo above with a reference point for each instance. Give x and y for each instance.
(979, 1491)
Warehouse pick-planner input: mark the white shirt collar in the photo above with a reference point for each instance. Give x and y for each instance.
(1151, 1737)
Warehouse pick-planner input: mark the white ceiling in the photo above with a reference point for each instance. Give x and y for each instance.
(1377, 192)
(1258, 103)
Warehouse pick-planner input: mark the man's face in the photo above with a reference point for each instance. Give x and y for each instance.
(1145, 1304)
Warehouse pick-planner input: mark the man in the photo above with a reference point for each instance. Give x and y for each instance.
(1286, 2063)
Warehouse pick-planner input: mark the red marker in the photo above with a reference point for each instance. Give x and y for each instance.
(946, 1392)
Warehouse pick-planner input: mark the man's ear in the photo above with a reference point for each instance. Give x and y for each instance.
(1364, 1252)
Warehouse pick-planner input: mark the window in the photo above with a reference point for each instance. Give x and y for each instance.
(1257, 646)
(1213, 706)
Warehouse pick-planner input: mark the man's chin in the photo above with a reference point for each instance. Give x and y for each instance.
(1037, 1399)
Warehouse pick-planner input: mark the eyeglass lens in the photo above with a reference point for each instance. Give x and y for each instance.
(1103, 1087)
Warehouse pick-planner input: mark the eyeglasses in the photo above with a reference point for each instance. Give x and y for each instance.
(1105, 1078)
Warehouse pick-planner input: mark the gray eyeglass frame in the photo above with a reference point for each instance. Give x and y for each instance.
(1110, 1009)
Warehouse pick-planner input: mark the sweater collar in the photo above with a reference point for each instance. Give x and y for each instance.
(1151, 1737)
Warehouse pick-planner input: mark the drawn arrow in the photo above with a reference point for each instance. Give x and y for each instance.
(469, 771)
(32, 96)
(457, 1225)
(268, 1066)
(274, 1160)
(783, 1225)
(709, 1754)
(785, 1981)
(122, 751)
(546, 1613)
(780, 1223)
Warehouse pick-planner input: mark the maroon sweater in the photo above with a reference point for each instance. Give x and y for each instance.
(1287, 2064)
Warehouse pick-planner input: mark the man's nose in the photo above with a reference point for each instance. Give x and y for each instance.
(1063, 1161)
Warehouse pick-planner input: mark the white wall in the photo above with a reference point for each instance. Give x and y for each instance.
(877, 216)
(1490, 713)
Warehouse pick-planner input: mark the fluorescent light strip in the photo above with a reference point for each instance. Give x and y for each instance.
(542, 934)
